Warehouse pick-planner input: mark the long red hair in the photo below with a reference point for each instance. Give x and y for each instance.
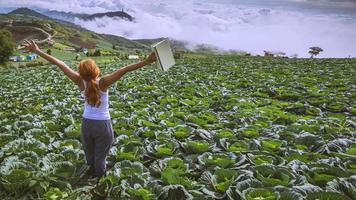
(89, 71)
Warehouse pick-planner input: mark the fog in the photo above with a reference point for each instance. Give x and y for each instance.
(253, 26)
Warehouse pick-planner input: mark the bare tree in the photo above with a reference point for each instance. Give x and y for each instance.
(314, 51)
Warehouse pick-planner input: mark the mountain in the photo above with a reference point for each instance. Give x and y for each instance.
(120, 14)
(70, 16)
(117, 40)
(66, 16)
(28, 24)
(25, 23)
(40, 15)
(28, 12)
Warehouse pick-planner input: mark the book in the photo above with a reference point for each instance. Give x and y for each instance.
(165, 59)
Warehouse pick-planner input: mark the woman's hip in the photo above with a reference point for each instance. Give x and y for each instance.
(97, 128)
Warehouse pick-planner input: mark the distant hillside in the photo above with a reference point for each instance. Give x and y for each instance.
(120, 14)
(33, 13)
(28, 12)
(25, 23)
(117, 40)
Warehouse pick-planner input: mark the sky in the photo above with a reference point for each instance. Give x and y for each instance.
(290, 26)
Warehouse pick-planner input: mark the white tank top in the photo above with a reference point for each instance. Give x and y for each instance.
(97, 113)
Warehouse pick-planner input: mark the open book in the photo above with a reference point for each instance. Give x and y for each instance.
(164, 55)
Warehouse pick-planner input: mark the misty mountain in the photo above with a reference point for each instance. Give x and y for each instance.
(121, 14)
(28, 12)
(70, 16)
(66, 16)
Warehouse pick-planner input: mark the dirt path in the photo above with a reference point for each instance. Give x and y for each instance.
(48, 39)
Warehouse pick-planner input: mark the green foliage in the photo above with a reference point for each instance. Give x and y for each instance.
(273, 176)
(326, 196)
(6, 45)
(260, 194)
(224, 179)
(55, 194)
(174, 173)
(271, 145)
(181, 132)
(61, 46)
(49, 51)
(219, 127)
(315, 51)
(165, 149)
(92, 52)
(226, 133)
(352, 150)
(140, 194)
(197, 146)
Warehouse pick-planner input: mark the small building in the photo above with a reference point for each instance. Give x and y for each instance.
(85, 51)
(69, 49)
(13, 58)
(269, 54)
(6, 23)
(21, 58)
(134, 57)
(31, 57)
(274, 53)
(17, 58)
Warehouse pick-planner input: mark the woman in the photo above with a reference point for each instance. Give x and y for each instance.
(97, 133)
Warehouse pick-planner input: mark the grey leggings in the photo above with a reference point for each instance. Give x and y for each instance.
(97, 138)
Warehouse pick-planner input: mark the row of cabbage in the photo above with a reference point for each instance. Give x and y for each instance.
(210, 128)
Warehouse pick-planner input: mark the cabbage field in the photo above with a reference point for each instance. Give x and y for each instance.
(219, 127)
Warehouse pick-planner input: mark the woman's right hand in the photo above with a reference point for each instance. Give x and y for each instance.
(31, 46)
(151, 58)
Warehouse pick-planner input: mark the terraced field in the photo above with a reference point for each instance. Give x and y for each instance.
(220, 127)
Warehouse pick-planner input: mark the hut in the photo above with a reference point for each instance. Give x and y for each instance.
(13, 58)
(31, 57)
(69, 49)
(85, 51)
(274, 53)
(21, 58)
(134, 57)
(17, 58)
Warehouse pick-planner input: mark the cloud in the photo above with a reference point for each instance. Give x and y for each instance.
(251, 26)
(252, 29)
(79, 6)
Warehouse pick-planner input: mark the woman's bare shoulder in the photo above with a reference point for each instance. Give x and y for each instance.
(81, 84)
(102, 86)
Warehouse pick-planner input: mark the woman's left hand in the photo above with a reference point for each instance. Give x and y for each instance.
(31, 46)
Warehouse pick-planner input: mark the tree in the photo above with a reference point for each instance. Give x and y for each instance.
(114, 47)
(97, 52)
(49, 51)
(6, 45)
(314, 51)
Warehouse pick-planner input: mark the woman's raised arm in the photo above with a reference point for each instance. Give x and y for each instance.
(109, 79)
(72, 75)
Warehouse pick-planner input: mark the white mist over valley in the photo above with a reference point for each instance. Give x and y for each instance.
(252, 26)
